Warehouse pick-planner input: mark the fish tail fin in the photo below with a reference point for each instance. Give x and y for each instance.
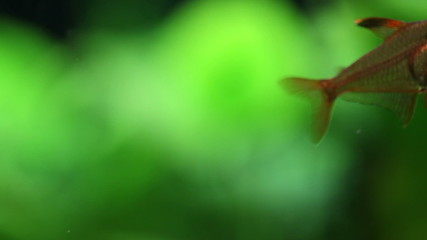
(321, 96)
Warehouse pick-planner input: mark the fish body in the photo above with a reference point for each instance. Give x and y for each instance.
(389, 76)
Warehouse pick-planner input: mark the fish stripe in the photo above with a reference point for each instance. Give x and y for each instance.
(359, 75)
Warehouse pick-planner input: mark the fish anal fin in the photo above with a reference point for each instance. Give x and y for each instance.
(402, 104)
(382, 27)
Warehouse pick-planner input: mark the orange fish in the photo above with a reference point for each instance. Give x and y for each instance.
(389, 76)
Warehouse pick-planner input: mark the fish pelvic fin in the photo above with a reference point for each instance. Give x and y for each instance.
(321, 95)
(382, 27)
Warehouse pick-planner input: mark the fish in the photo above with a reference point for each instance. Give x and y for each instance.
(389, 76)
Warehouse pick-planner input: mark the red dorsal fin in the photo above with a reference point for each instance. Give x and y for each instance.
(382, 27)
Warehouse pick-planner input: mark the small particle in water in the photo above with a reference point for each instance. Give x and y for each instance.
(68, 231)
(359, 131)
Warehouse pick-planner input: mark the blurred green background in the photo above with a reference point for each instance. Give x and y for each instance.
(164, 120)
